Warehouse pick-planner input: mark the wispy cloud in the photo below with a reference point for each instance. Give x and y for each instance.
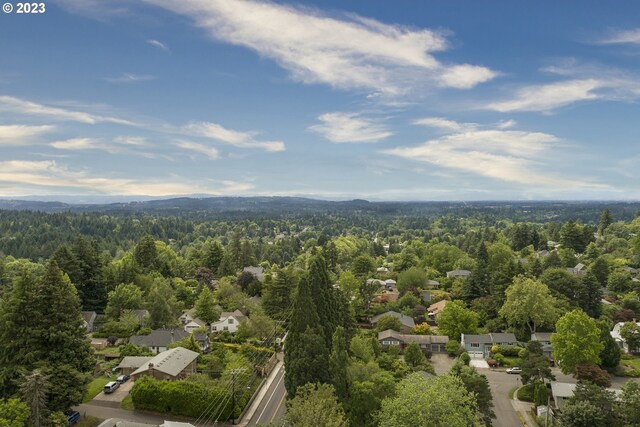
(351, 52)
(24, 107)
(230, 136)
(210, 152)
(445, 125)
(158, 44)
(550, 96)
(20, 177)
(21, 134)
(130, 78)
(117, 145)
(622, 37)
(343, 127)
(506, 155)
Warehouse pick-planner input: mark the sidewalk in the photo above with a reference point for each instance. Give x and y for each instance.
(523, 409)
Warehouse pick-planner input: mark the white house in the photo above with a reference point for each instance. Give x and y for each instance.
(228, 321)
(615, 334)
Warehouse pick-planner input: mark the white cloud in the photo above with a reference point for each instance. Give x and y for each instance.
(137, 141)
(158, 44)
(349, 53)
(79, 144)
(19, 177)
(21, 106)
(130, 78)
(21, 134)
(505, 155)
(230, 136)
(342, 127)
(547, 97)
(445, 125)
(623, 37)
(208, 151)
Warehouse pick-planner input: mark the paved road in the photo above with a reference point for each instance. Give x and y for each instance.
(501, 383)
(271, 406)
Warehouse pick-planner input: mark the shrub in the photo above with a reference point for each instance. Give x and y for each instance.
(453, 347)
(465, 358)
(492, 363)
(499, 358)
(593, 373)
(184, 398)
(525, 393)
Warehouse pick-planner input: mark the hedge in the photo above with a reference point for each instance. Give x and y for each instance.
(184, 398)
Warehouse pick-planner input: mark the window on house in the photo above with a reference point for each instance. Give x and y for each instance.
(226, 328)
(475, 345)
(215, 328)
(230, 321)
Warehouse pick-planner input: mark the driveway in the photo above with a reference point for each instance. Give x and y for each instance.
(479, 364)
(113, 400)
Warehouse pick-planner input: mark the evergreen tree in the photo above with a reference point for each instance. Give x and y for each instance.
(16, 332)
(213, 256)
(227, 266)
(323, 297)
(413, 355)
(605, 220)
(34, 392)
(145, 254)
(53, 340)
(478, 283)
(87, 277)
(206, 307)
(276, 297)
(306, 357)
(339, 363)
(589, 296)
(600, 269)
(247, 255)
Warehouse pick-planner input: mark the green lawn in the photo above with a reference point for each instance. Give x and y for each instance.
(632, 363)
(127, 403)
(96, 386)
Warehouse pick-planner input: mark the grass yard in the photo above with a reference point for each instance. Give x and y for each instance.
(632, 363)
(88, 422)
(96, 386)
(127, 403)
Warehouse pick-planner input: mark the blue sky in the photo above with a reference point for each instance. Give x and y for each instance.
(406, 100)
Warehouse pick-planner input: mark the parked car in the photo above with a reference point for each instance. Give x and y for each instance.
(122, 379)
(72, 417)
(111, 386)
(552, 362)
(514, 370)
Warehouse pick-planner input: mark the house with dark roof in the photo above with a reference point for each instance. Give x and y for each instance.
(407, 322)
(89, 317)
(479, 346)
(160, 339)
(428, 343)
(173, 364)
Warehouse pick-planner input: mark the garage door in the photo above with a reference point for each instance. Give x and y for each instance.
(476, 355)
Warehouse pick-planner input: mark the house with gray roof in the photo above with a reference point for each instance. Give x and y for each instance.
(407, 322)
(428, 343)
(545, 339)
(130, 364)
(173, 364)
(579, 270)
(459, 274)
(229, 321)
(160, 339)
(479, 346)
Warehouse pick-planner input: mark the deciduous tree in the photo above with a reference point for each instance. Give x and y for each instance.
(456, 320)
(577, 340)
(529, 303)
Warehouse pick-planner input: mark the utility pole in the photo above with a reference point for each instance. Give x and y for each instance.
(233, 373)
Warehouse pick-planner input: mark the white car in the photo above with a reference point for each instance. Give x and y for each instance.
(514, 370)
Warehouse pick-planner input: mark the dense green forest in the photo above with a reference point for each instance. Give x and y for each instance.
(531, 267)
